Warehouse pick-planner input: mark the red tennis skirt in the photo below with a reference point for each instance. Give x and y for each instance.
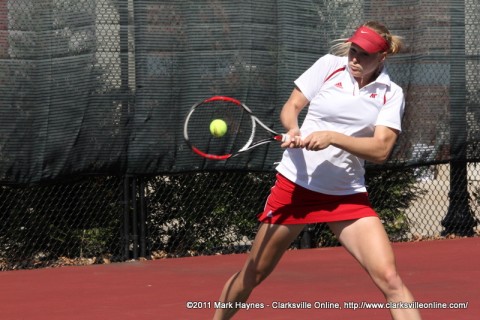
(289, 203)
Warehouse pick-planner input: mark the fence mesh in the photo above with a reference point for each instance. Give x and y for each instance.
(93, 166)
(108, 219)
(61, 224)
(103, 86)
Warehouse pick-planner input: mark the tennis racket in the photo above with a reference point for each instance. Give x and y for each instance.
(241, 134)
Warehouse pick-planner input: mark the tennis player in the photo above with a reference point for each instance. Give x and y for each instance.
(354, 114)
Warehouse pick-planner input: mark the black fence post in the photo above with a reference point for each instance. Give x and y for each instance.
(142, 219)
(134, 229)
(126, 217)
(134, 218)
(459, 219)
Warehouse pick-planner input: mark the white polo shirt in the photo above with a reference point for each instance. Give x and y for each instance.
(337, 104)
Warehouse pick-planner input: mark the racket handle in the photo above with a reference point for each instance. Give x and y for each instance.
(282, 137)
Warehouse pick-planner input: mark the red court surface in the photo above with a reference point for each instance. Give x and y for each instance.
(441, 271)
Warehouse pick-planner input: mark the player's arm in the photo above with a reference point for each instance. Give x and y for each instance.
(289, 116)
(374, 149)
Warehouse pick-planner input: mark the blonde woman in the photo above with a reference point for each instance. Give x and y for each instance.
(354, 114)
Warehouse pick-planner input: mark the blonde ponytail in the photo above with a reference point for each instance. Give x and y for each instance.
(396, 44)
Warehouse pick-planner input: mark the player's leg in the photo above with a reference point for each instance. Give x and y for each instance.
(268, 247)
(368, 242)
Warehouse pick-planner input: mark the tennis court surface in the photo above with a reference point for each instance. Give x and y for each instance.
(308, 284)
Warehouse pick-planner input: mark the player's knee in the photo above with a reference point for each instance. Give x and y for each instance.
(254, 278)
(255, 275)
(388, 280)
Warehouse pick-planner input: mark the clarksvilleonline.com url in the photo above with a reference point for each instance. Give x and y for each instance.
(405, 305)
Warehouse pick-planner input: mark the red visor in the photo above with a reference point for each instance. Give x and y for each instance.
(369, 40)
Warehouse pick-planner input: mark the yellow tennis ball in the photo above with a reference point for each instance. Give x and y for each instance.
(218, 128)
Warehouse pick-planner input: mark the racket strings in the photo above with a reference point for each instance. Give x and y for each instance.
(239, 127)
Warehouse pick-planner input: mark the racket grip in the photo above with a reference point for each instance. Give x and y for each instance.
(282, 137)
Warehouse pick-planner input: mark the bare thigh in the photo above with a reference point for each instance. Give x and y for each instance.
(367, 241)
(269, 246)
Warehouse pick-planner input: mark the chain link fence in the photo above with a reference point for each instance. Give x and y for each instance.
(94, 92)
(111, 219)
(61, 224)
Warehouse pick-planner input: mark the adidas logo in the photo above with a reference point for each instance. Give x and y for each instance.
(339, 85)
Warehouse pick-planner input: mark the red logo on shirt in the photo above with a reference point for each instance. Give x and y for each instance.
(339, 85)
(373, 95)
